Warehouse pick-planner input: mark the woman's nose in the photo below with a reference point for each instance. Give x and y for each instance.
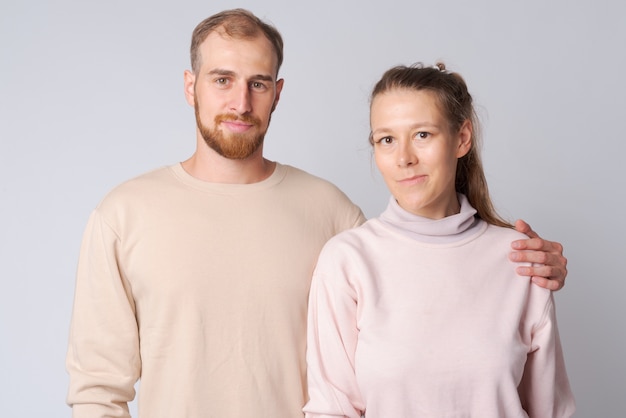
(406, 155)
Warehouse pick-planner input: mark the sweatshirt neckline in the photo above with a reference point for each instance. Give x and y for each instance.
(279, 173)
(454, 228)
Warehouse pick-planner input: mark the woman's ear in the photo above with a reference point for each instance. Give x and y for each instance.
(465, 139)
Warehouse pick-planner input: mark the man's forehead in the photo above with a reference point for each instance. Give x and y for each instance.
(217, 49)
(219, 36)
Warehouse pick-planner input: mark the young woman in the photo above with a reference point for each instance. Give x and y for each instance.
(419, 313)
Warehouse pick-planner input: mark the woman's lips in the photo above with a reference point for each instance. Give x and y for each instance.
(409, 181)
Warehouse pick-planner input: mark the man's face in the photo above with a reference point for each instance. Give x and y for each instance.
(234, 93)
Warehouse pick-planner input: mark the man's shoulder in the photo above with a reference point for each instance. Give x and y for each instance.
(329, 200)
(303, 179)
(300, 174)
(138, 187)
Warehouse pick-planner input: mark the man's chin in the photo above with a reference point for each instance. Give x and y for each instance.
(237, 153)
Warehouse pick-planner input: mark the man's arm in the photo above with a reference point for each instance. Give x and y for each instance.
(103, 359)
(549, 254)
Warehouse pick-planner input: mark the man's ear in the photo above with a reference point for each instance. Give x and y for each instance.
(465, 139)
(190, 87)
(279, 88)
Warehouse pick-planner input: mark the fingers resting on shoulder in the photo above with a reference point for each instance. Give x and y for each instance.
(549, 265)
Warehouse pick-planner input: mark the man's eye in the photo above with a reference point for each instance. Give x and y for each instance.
(221, 81)
(257, 85)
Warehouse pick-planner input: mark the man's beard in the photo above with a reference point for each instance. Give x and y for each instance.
(237, 146)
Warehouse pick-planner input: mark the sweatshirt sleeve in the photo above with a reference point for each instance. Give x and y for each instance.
(331, 344)
(103, 359)
(545, 390)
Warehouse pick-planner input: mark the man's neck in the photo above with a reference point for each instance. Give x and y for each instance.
(207, 165)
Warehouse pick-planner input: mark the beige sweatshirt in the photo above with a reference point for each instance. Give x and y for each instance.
(199, 290)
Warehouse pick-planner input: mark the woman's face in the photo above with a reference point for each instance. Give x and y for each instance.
(415, 152)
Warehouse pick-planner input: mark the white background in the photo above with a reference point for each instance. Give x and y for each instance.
(91, 93)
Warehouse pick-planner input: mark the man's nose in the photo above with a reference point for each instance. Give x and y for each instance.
(240, 100)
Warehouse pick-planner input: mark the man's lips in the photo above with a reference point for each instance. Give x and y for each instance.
(237, 125)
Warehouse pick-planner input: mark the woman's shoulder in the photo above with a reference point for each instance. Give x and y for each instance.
(494, 231)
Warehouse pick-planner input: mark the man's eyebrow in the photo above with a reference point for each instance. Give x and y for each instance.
(263, 77)
(219, 71)
(229, 73)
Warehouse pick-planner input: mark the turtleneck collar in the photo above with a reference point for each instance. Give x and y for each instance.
(435, 231)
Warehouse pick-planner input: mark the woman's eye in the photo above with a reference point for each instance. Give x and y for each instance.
(385, 140)
(422, 135)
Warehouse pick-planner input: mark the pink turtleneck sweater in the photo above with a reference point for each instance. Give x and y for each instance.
(413, 317)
